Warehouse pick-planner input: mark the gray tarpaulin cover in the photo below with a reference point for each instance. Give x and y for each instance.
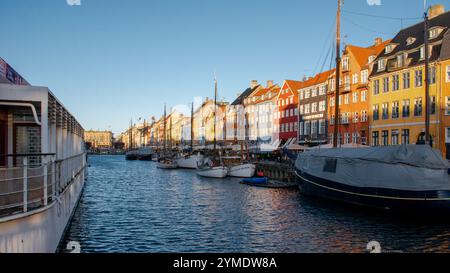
(407, 167)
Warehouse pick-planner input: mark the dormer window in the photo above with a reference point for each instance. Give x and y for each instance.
(389, 49)
(345, 63)
(381, 65)
(410, 41)
(422, 52)
(434, 33)
(371, 59)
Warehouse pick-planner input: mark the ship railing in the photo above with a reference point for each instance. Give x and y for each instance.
(33, 181)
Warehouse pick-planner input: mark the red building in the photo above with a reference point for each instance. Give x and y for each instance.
(288, 111)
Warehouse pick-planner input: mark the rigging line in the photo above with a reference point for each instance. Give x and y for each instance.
(381, 16)
(368, 29)
(327, 41)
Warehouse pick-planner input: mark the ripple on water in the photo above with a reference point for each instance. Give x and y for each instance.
(131, 206)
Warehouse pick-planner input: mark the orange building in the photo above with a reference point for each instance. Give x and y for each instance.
(356, 66)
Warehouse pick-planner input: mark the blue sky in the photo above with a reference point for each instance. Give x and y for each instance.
(112, 60)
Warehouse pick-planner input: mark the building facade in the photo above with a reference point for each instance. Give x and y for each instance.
(356, 65)
(313, 123)
(99, 139)
(398, 86)
(287, 116)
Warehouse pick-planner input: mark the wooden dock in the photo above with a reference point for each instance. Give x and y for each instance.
(277, 170)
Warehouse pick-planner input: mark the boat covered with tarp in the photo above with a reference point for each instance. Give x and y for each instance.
(391, 177)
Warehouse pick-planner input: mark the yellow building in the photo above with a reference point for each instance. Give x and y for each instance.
(99, 139)
(397, 85)
(444, 69)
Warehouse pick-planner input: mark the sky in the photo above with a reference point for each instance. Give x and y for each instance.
(109, 61)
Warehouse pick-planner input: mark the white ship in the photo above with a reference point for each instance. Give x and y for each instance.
(242, 170)
(42, 168)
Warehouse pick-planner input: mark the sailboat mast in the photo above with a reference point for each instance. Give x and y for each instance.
(170, 130)
(130, 138)
(427, 80)
(215, 109)
(164, 142)
(338, 70)
(192, 127)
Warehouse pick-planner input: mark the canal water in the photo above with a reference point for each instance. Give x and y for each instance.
(131, 206)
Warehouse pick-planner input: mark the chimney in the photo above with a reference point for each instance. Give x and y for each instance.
(304, 78)
(378, 41)
(269, 83)
(253, 83)
(435, 10)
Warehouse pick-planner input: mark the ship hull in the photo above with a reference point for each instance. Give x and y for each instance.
(41, 230)
(214, 172)
(379, 198)
(243, 171)
(190, 162)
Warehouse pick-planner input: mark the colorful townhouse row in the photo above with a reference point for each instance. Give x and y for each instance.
(381, 102)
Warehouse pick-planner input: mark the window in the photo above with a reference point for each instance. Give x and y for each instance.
(405, 108)
(376, 112)
(287, 113)
(355, 78)
(433, 33)
(314, 127)
(394, 137)
(302, 128)
(381, 65)
(385, 136)
(355, 117)
(347, 83)
(385, 84)
(432, 105)
(395, 83)
(314, 92)
(332, 84)
(405, 136)
(447, 106)
(314, 107)
(422, 52)
(410, 41)
(375, 138)
(332, 120)
(332, 102)
(418, 107)
(400, 60)
(395, 109)
(345, 63)
(371, 58)
(364, 76)
(363, 96)
(406, 80)
(346, 138)
(307, 108)
(432, 75)
(385, 107)
(389, 49)
(322, 106)
(418, 79)
(448, 74)
(322, 125)
(307, 94)
(307, 128)
(376, 87)
(302, 111)
(364, 117)
(301, 94)
(347, 99)
(292, 112)
(296, 112)
(447, 135)
(355, 137)
(355, 96)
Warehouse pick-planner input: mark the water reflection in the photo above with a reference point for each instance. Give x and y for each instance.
(134, 207)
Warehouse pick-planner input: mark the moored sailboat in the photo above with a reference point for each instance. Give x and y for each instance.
(411, 178)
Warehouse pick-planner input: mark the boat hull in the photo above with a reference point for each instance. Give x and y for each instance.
(243, 171)
(190, 162)
(166, 166)
(145, 157)
(214, 172)
(379, 198)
